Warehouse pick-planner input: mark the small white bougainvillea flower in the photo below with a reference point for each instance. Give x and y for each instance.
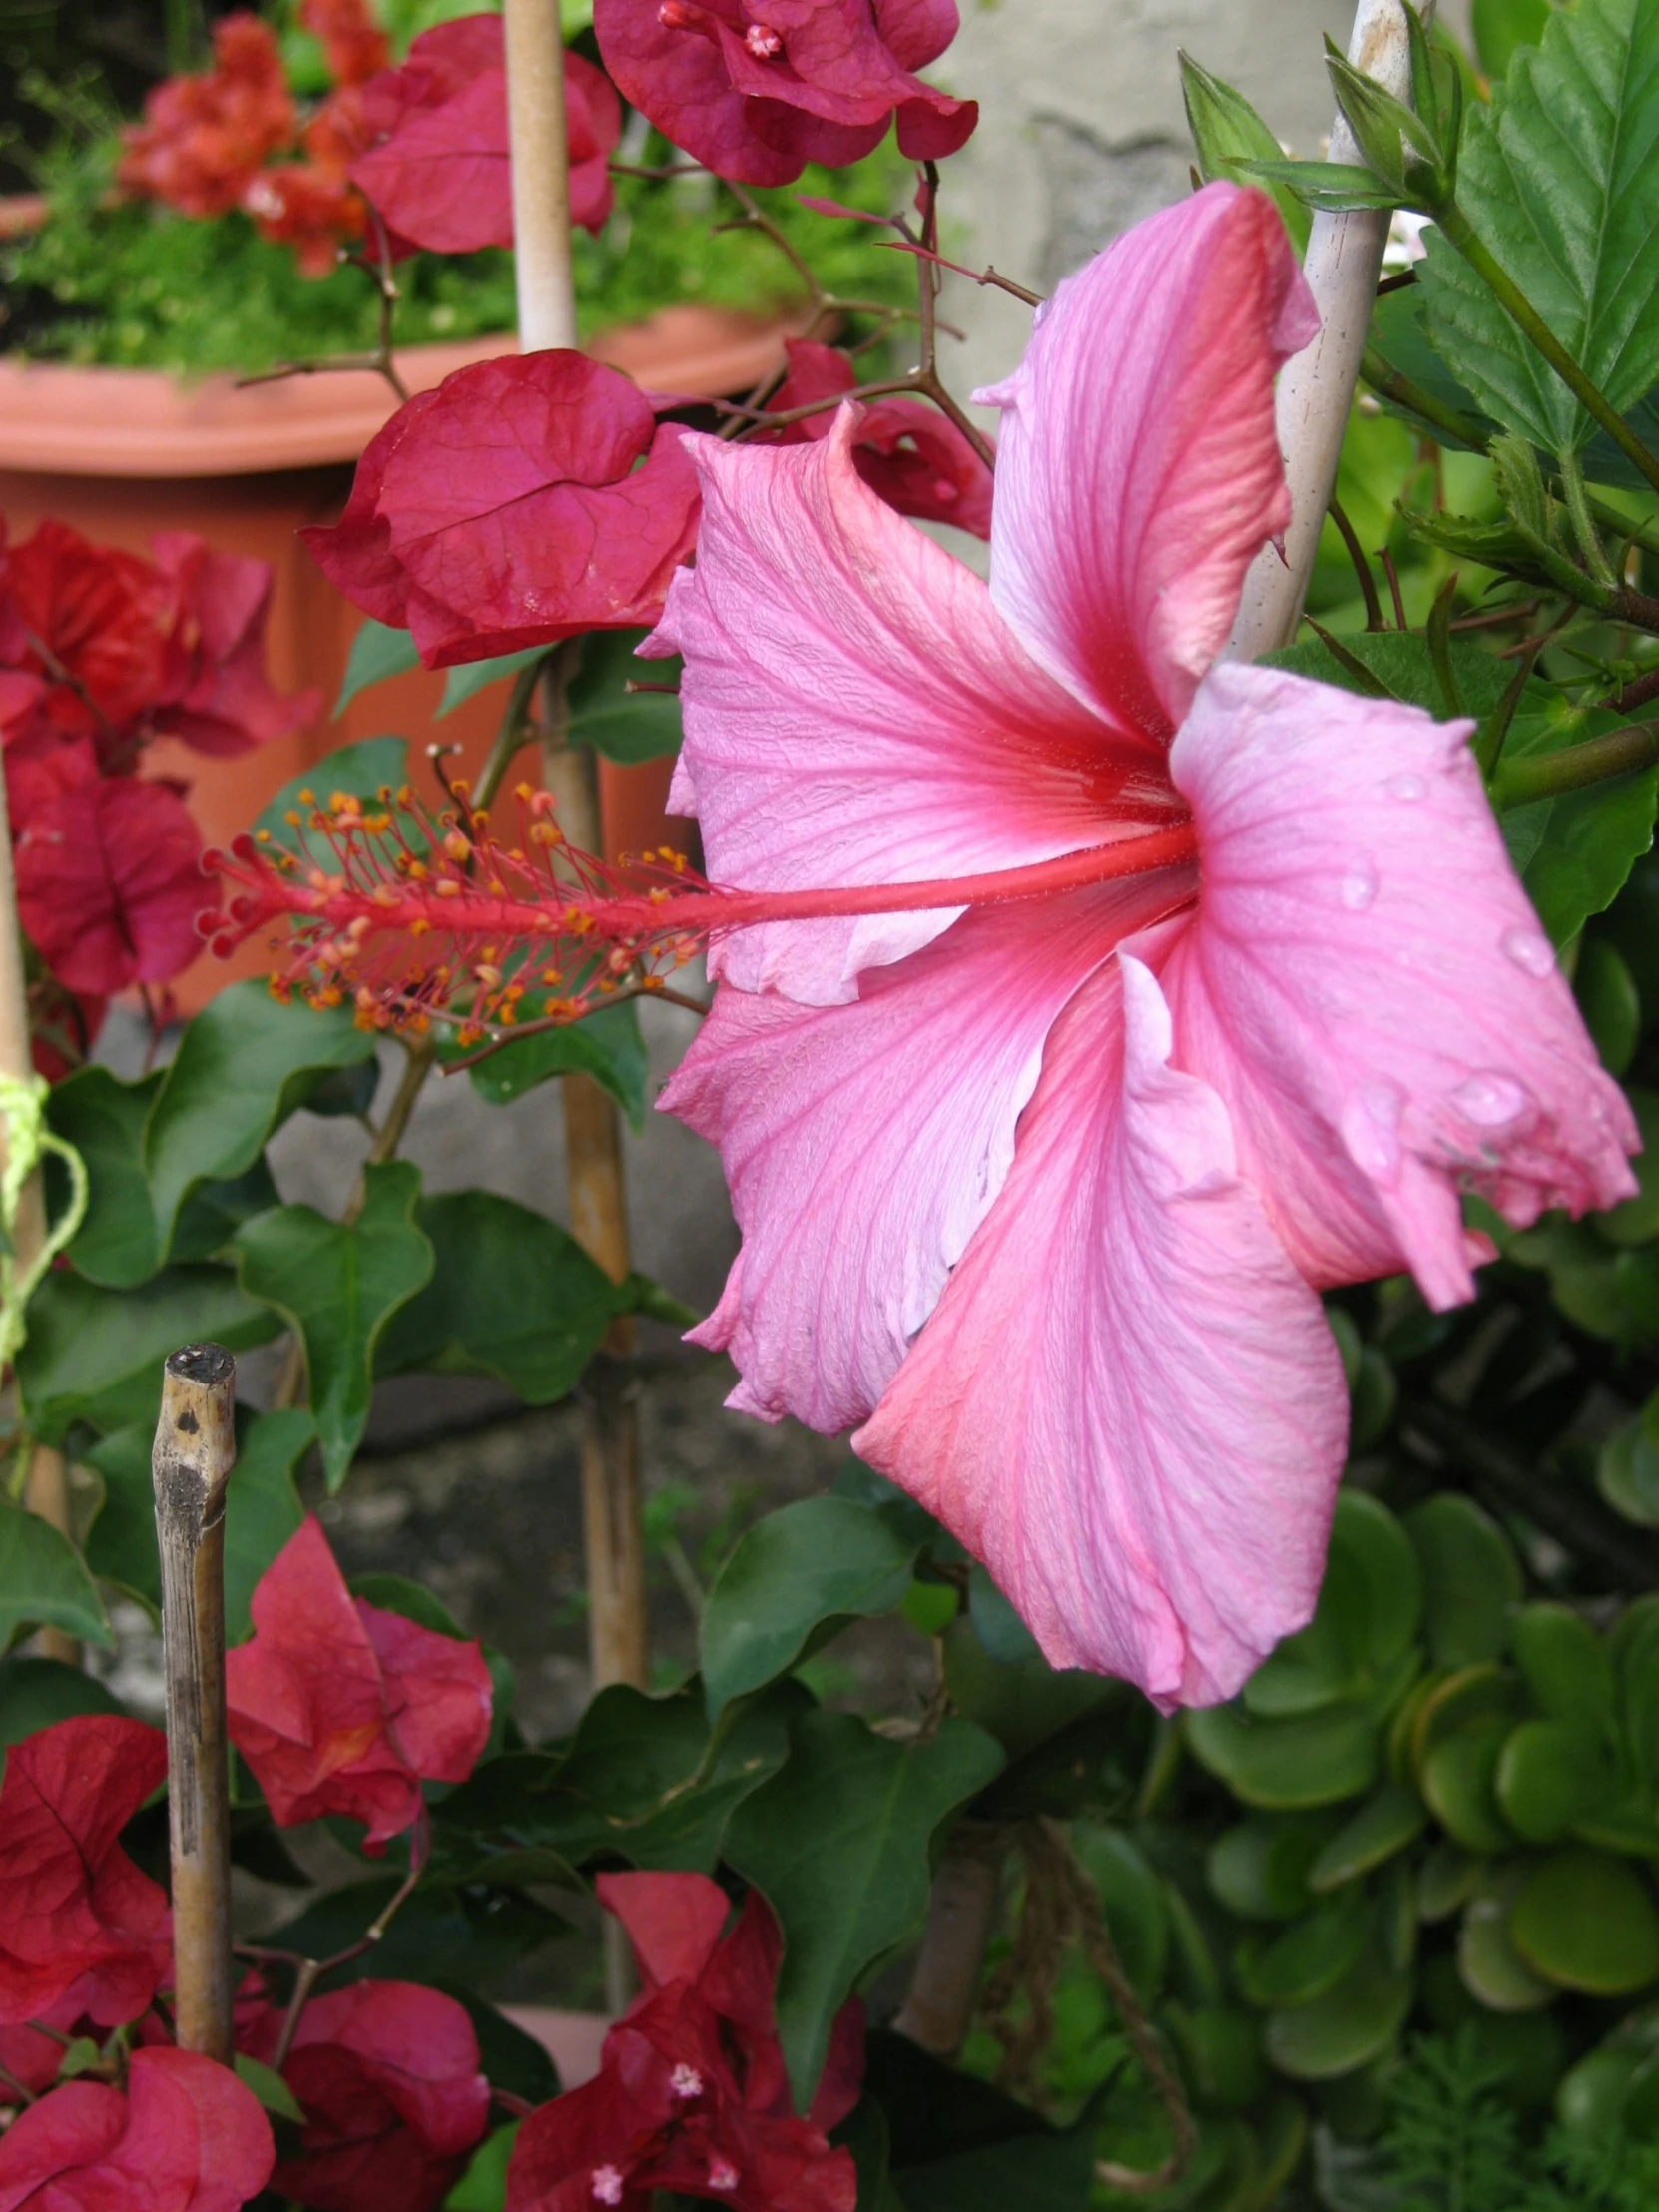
(1041, 1184)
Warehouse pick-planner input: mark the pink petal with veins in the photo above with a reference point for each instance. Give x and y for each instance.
(1128, 1403)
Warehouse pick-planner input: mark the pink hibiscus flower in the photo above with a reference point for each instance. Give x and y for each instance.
(1040, 1179)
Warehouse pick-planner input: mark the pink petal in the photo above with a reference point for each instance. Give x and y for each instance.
(1128, 1403)
(1367, 988)
(858, 711)
(1138, 471)
(864, 1143)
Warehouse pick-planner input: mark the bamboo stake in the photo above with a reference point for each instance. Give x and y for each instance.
(191, 1464)
(541, 174)
(1316, 388)
(593, 1133)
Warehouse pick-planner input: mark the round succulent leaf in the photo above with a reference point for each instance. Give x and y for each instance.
(1387, 1823)
(1637, 1654)
(1636, 1626)
(1551, 1774)
(1447, 1879)
(1350, 2024)
(1635, 1220)
(1459, 1778)
(1221, 2050)
(1304, 1959)
(1470, 1694)
(1472, 1580)
(1588, 1920)
(1286, 1765)
(1627, 1474)
(1370, 1605)
(1487, 1960)
(1591, 2096)
(1567, 1666)
(1374, 1401)
(1641, 2104)
(1257, 1868)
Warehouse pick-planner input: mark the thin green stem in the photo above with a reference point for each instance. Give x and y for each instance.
(1458, 230)
(1576, 495)
(1598, 761)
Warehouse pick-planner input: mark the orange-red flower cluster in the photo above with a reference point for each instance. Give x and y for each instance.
(207, 140)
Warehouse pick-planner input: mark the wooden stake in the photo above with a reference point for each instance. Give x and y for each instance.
(541, 174)
(189, 1467)
(1316, 388)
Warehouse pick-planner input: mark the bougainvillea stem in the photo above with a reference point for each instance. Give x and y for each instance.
(191, 1464)
(541, 174)
(1316, 387)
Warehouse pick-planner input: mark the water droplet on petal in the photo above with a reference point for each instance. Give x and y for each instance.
(1371, 1130)
(1358, 886)
(1489, 1100)
(1409, 787)
(1530, 950)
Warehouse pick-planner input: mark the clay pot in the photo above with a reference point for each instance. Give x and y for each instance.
(121, 453)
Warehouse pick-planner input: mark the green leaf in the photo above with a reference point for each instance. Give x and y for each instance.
(1226, 131)
(508, 2058)
(471, 677)
(339, 1284)
(821, 1560)
(443, 1933)
(1500, 26)
(1458, 1781)
(1258, 1869)
(1330, 186)
(1307, 1958)
(269, 2086)
(1385, 1824)
(103, 1118)
(839, 1845)
(1316, 1758)
(606, 1045)
(483, 2186)
(121, 1544)
(1370, 1605)
(43, 1583)
(1347, 2027)
(96, 1356)
(244, 1064)
(365, 769)
(509, 1293)
(376, 653)
(1550, 1776)
(1558, 176)
(262, 1508)
(955, 2145)
(623, 725)
(1471, 1576)
(1023, 1702)
(1488, 1965)
(1565, 1665)
(36, 1693)
(1588, 1920)
(1574, 851)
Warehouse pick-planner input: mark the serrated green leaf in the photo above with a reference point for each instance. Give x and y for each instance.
(625, 726)
(1331, 186)
(1227, 131)
(243, 1066)
(510, 1294)
(1559, 177)
(43, 1583)
(95, 1354)
(471, 677)
(821, 1559)
(377, 654)
(839, 1845)
(339, 1284)
(606, 1044)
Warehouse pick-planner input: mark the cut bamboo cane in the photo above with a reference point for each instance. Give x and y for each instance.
(191, 1464)
(1316, 388)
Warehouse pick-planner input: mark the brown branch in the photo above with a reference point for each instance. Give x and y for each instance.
(1361, 567)
(191, 1464)
(1637, 693)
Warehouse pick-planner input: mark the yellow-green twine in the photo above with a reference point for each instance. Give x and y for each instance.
(27, 1141)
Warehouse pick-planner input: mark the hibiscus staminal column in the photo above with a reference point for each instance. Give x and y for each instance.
(191, 1464)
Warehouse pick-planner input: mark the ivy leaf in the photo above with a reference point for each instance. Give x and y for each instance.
(606, 1045)
(43, 1583)
(95, 1354)
(1559, 177)
(339, 1284)
(377, 654)
(794, 1577)
(511, 1294)
(625, 726)
(244, 1064)
(840, 1844)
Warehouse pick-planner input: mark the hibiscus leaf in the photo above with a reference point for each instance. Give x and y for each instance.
(377, 654)
(95, 1354)
(606, 1045)
(43, 1583)
(1558, 176)
(839, 1845)
(807, 1568)
(339, 1284)
(511, 1294)
(623, 725)
(244, 1064)
(1574, 851)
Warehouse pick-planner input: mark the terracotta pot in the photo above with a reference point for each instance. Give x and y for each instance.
(121, 453)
